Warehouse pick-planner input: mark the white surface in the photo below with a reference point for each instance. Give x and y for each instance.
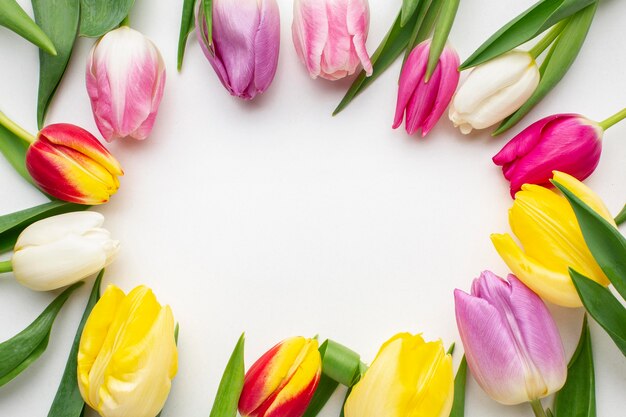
(274, 218)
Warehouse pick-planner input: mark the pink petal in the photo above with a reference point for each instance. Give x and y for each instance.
(449, 64)
(358, 21)
(412, 74)
(310, 33)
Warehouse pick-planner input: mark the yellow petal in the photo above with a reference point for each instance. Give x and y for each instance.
(585, 194)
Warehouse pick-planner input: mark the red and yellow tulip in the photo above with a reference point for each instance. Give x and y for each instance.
(70, 164)
(282, 382)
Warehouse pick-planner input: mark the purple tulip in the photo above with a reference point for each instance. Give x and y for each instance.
(246, 42)
(425, 101)
(568, 143)
(511, 342)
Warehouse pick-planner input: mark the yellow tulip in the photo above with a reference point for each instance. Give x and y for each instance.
(546, 226)
(127, 355)
(408, 378)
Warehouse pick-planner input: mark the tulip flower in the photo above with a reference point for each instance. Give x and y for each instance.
(330, 36)
(125, 80)
(409, 377)
(282, 382)
(424, 101)
(552, 241)
(511, 342)
(70, 164)
(127, 355)
(494, 90)
(61, 250)
(245, 44)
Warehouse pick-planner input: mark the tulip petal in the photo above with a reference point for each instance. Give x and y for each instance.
(412, 74)
(58, 227)
(449, 64)
(422, 102)
(358, 27)
(267, 45)
(310, 33)
(585, 193)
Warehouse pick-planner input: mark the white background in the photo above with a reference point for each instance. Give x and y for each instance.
(276, 219)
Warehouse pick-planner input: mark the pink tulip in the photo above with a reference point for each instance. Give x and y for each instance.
(330, 35)
(425, 101)
(568, 143)
(511, 342)
(246, 42)
(125, 80)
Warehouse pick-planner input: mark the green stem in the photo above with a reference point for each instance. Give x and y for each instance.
(538, 408)
(547, 40)
(126, 21)
(16, 129)
(621, 217)
(617, 117)
(6, 266)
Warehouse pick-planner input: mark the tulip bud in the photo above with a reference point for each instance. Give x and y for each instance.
(125, 80)
(282, 382)
(568, 143)
(61, 250)
(409, 377)
(425, 101)
(70, 164)
(552, 241)
(127, 355)
(494, 90)
(511, 342)
(246, 42)
(330, 36)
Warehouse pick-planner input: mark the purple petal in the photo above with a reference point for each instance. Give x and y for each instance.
(267, 46)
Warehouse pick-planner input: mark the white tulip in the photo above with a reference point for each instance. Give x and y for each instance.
(494, 90)
(61, 250)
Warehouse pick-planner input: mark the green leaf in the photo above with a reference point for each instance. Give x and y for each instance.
(14, 150)
(11, 225)
(17, 353)
(388, 51)
(324, 391)
(578, 397)
(408, 8)
(97, 17)
(186, 27)
(339, 362)
(603, 307)
(458, 406)
(15, 18)
(68, 401)
(442, 31)
(605, 242)
(562, 55)
(231, 385)
(525, 27)
(59, 19)
(207, 6)
(621, 217)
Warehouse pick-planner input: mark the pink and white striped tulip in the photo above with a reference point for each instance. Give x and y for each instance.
(125, 80)
(246, 43)
(511, 342)
(567, 143)
(330, 36)
(424, 101)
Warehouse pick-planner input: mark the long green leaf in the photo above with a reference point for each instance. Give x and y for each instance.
(186, 27)
(525, 27)
(17, 353)
(231, 385)
(621, 217)
(458, 406)
(388, 51)
(605, 242)
(427, 25)
(68, 401)
(59, 19)
(13, 17)
(325, 389)
(97, 17)
(408, 8)
(207, 6)
(603, 307)
(578, 397)
(14, 150)
(442, 31)
(562, 55)
(11, 225)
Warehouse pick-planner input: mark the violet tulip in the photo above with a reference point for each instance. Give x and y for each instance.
(424, 101)
(330, 35)
(245, 44)
(511, 342)
(125, 80)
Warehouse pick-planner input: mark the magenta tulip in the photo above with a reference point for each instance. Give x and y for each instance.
(567, 143)
(125, 80)
(424, 101)
(511, 342)
(330, 35)
(246, 43)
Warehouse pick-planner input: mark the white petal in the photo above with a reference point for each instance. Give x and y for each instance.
(58, 227)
